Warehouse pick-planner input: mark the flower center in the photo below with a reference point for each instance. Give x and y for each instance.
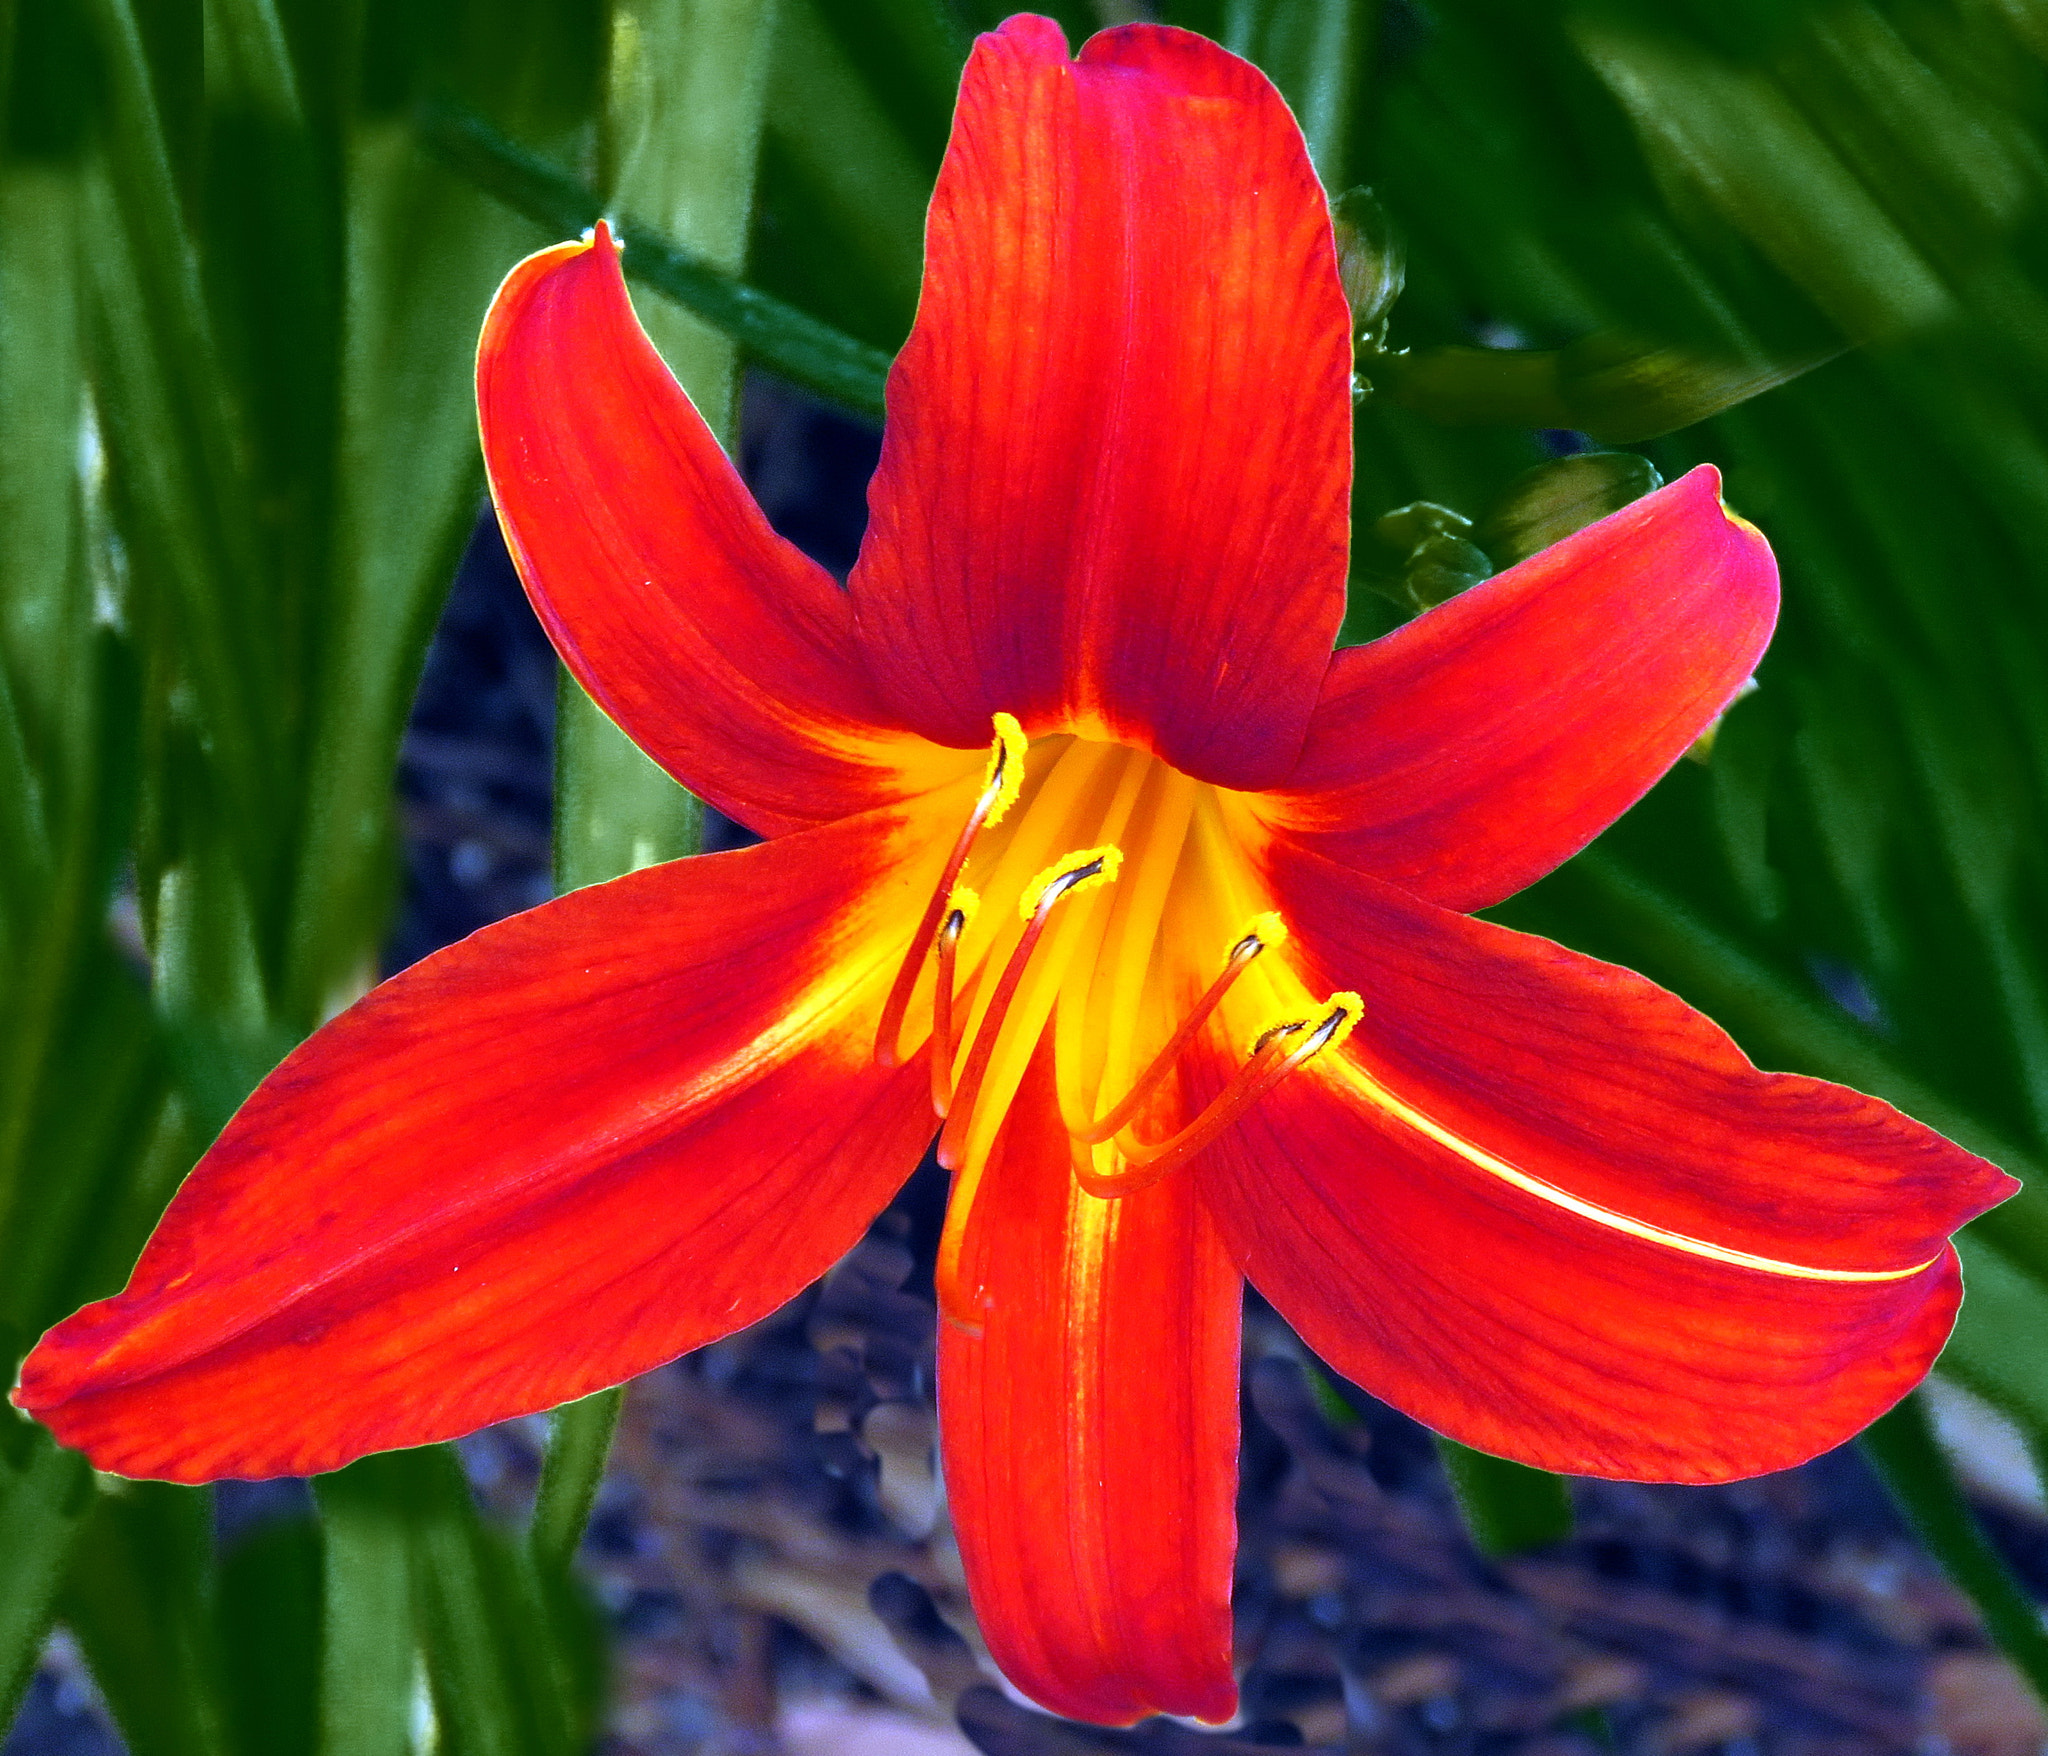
(1082, 900)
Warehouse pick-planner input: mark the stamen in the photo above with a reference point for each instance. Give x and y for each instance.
(1076, 873)
(1269, 1063)
(1264, 931)
(964, 905)
(1002, 780)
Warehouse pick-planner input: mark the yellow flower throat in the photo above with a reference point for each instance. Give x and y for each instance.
(1098, 891)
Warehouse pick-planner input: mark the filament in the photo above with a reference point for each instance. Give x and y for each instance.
(1269, 1063)
(964, 904)
(1267, 930)
(1002, 781)
(1065, 878)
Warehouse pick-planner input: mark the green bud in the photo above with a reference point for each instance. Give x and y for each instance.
(1370, 261)
(1407, 526)
(1442, 566)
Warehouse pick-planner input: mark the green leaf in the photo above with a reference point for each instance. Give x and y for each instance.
(682, 137)
(268, 1621)
(512, 1666)
(1902, 1447)
(139, 1598)
(572, 1471)
(1508, 1507)
(505, 1678)
(45, 1497)
(801, 348)
(369, 1650)
(170, 427)
(1314, 54)
(908, 54)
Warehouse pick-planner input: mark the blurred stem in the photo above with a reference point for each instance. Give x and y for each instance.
(794, 343)
(682, 131)
(579, 1441)
(1508, 1507)
(1902, 1448)
(682, 134)
(1311, 53)
(370, 1655)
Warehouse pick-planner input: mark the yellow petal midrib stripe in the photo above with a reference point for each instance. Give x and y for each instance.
(1346, 1068)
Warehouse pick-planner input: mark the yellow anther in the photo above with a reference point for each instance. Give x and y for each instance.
(1267, 930)
(964, 902)
(1002, 782)
(1279, 1025)
(1341, 1013)
(1318, 1031)
(1069, 876)
(1004, 775)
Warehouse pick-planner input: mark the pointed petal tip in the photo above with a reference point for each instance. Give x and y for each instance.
(1479, 746)
(723, 651)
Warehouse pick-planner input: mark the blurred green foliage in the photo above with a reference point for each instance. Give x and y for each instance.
(246, 249)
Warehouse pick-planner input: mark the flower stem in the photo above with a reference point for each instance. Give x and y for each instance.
(681, 134)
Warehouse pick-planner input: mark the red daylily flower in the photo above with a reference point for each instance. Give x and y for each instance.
(1066, 781)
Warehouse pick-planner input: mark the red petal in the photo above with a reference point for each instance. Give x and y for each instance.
(1567, 1288)
(1466, 754)
(1114, 487)
(575, 1145)
(1090, 1433)
(724, 653)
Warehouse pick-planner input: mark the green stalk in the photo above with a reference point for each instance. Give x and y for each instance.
(797, 345)
(682, 134)
(1508, 1507)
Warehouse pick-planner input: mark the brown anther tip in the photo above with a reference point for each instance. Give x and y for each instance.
(1286, 1030)
(1067, 880)
(1326, 1030)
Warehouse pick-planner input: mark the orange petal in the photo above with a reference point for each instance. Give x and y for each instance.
(723, 652)
(571, 1147)
(1114, 487)
(1468, 753)
(1090, 1432)
(1547, 1208)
